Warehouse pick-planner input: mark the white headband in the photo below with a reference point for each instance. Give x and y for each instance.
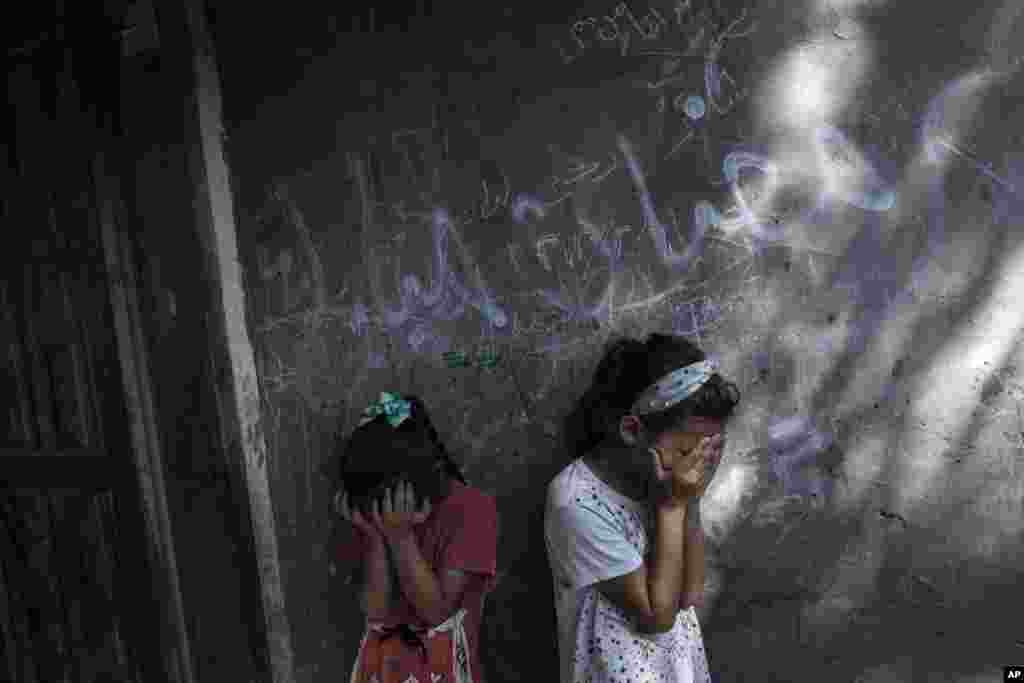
(674, 387)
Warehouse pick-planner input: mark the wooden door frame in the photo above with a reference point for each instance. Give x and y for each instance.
(145, 433)
(94, 470)
(216, 227)
(185, 41)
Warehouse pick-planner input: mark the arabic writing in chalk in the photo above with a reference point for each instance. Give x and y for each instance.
(620, 27)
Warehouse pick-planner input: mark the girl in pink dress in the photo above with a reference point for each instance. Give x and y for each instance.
(422, 549)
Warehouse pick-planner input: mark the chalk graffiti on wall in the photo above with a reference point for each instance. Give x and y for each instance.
(595, 252)
(446, 297)
(705, 39)
(582, 171)
(617, 28)
(704, 216)
(460, 359)
(795, 444)
(622, 28)
(693, 318)
(719, 91)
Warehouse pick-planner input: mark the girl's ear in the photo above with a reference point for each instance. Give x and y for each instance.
(631, 430)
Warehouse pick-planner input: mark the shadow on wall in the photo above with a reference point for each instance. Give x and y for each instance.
(448, 257)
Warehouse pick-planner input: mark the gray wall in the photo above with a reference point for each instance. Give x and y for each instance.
(858, 169)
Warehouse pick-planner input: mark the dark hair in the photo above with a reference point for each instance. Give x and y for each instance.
(376, 456)
(627, 368)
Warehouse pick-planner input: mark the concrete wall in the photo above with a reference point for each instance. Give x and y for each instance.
(827, 197)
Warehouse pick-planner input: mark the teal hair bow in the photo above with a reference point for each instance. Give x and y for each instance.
(393, 406)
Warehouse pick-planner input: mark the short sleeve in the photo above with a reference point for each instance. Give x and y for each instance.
(590, 546)
(473, 545)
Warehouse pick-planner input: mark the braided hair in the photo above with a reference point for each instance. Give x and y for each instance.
(376, 456)
(626, 369)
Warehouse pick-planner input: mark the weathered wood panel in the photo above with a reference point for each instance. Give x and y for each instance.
(82, 600)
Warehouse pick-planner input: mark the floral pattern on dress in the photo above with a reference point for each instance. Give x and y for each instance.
(457, 657)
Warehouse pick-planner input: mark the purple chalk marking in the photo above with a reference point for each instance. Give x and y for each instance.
(795, 444)
(761, 360)
(936, 142)
(444, 300)
(704, 215)
(418, 337)
(877, 197)
(733, 163)
(933, 125)
(524, 204)
(394, 317)
(712, 81)
(491, 312)
(360, 319)
(695, 107)
(700, 316)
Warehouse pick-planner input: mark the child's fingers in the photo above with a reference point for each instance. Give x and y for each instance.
(709, 446)
(408, 504)
(399, 497)
(692, 474)
(388, 502)
(375, 514)
(420, 516)
(696, 455)
(697, 472)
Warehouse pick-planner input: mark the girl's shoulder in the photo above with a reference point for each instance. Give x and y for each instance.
(467, 499)
(567, 484)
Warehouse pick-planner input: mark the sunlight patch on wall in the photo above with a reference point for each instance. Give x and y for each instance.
(869, 373)
(813, 82)
(722, 503)
(813, 164)
(947, 118)
(862, 467)
(947, 392)
(1002, 507)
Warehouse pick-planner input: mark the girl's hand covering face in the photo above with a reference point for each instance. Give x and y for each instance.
(354, 516)
(680, 476)
(397, 515)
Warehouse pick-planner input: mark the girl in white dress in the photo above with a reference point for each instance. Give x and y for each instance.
(622, 521)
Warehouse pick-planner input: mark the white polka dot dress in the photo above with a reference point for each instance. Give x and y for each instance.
(593, 533)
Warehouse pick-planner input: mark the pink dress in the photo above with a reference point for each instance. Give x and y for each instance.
(461, 533)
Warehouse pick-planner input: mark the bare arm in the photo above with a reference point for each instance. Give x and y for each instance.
(651, 595)
(376, 576)
(376, 596)
(693, 585)
(433, 597)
